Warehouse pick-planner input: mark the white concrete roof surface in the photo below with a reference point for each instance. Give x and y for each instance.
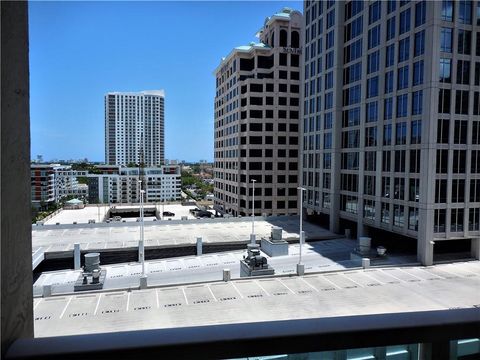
(166, 233)
(97, 213)
(324, 255)
(345, 293)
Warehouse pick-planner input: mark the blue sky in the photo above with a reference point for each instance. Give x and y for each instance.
(81, 50)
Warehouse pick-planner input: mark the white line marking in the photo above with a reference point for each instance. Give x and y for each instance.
(432, 273)
(261, 287)
(349, 278)
(98, 303)
(185, 295)
(65, 309)
(410, 274)
(309, 285)
(466, 270)
(211, 292)
(387, 272)
(281, 282)
(239, 293)
(331, 282)
(371, 277)
(36, 305)
(449, 272)
(128, 299)
(156, 296)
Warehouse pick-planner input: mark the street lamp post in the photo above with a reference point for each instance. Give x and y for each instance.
(141, 245)
(300, 266)
(252, 236)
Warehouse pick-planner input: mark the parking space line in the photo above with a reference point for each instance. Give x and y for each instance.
(331, 282)
(238, 291)
(314, 288)
(389, 274)
(128, 299)
(261, 287)
(281, 282)
(65, 308)
(98, 303)
(211, 292)
(406, 272)
(371, 277)
(185, 296)
(36, 305)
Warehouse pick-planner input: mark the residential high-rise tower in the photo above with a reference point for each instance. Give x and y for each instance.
(134, 128)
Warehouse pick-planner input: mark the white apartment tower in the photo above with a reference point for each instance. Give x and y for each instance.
(257, 121)
(134, 128)
(391, 119)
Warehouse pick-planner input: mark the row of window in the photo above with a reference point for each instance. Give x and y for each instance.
(457, 191)
(462, 71)
(465, 9)
(457, 164)
(461, 102)
(456, 220)
(464, 43)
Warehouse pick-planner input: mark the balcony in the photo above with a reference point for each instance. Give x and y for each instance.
(435, 332)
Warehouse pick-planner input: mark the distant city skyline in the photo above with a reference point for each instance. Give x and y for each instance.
(80, 51)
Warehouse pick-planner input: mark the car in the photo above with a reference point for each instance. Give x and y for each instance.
(203, 213)
(168, 213)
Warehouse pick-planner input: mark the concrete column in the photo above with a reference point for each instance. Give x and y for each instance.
(76, 256)
(425, 252)
(475, 248)
(47, 290)
(16, 232)
(425, 241)
(362, 229)
(348, 233)
(143, 282)
(199, 246)
(226, 275)
(300, 269)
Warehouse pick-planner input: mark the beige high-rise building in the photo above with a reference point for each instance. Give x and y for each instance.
(257, 106)
(391, 123)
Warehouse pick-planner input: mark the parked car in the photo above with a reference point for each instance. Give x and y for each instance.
(168, 213)
(203, 213)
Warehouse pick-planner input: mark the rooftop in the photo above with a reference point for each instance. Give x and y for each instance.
(144, 92)
(58, 238)
(98, 212)
(326, 255)
(344, 293)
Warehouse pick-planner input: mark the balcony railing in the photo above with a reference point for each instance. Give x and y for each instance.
(432, 329)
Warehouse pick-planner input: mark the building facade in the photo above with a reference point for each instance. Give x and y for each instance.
(390, 122)
(117, 185)
(52, 182)
(257, 121)
(134, 128)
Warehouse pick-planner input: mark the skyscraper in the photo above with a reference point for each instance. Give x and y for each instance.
(134, 128)
(257, 120)
(391, 125)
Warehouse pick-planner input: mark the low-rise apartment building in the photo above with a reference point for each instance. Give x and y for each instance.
(52, 182)
(115, 184)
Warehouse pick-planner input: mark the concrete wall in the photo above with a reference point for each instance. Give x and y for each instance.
(15, 228)
(246, 220)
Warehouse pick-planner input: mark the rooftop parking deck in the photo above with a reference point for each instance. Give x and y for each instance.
(165, 233)
(343, 293)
